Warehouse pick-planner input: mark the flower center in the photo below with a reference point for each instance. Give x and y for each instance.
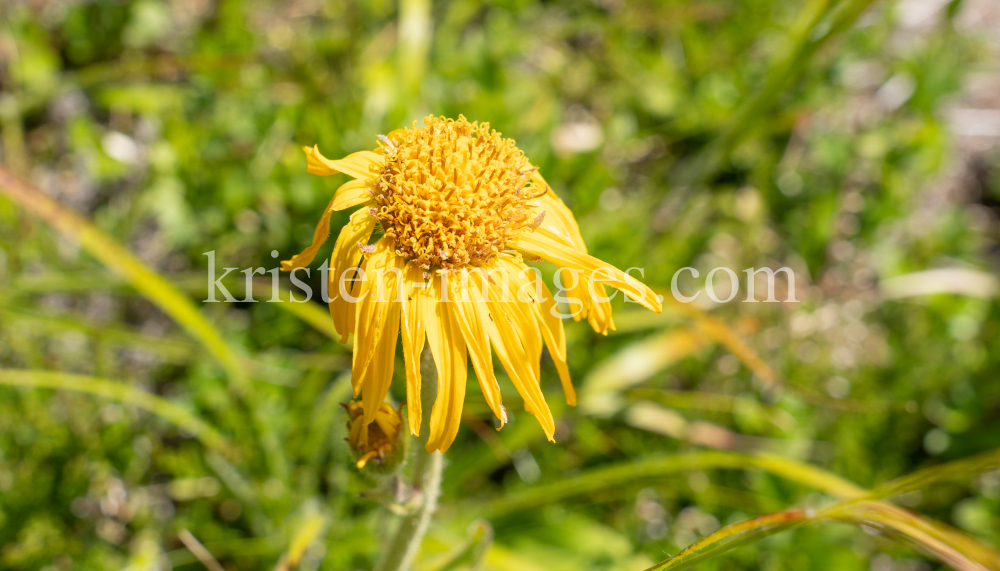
(453, 193)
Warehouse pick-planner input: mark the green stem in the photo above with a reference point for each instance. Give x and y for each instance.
(406, 542)
(425, 479)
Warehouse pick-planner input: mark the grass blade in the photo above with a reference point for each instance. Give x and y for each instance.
(720, 332)
(312, 313)
(618, 474)
(307, 532)
(717, 402)
(731, 536)
(938, 540)
(153, 286)
(949, 545)
(166, 410)
(962, 469)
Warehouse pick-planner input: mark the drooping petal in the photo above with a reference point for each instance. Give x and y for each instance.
(376, 324)
(514, 358)
(444, 336)
(416, 308)
(344, 259)
(378, 372)
(521, 317)
(342, 310)
(349, 194)
(362, 165)
(594, 270)
(547, 313)
(558, 219)
(470, 312)
(560, 225)
(599, 315)
(578, 298)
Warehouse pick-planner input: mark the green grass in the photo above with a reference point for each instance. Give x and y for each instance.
(137, 423)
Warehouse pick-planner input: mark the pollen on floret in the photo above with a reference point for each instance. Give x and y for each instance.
(453, 193)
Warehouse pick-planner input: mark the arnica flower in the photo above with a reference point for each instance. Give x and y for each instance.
(378, 442)
(455, 200)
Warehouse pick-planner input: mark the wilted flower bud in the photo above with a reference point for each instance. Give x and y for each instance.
(378, 443)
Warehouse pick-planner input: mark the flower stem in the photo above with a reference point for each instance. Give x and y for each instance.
(425, 479)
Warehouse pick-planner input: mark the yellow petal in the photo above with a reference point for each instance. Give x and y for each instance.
(352, 194)
(593, 269)
(547, 313)
(363, 165)
(374, 322)
(341, 310)
(558, 220)
(416, 301)
(345, 257)
(448, 349)
(385, 423)
(355, 433)
(522, 318)
(378, 372)
(560, 225)
(599, 315)
(469, 315)
(514, 359)
(349, 194)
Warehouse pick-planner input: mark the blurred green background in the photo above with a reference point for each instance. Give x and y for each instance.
(854, 141)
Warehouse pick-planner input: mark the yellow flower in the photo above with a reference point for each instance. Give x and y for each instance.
(456, 201)
(379, 441)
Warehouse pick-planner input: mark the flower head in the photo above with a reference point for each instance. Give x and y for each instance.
(378, 442)
(459, 207)
(453, 195)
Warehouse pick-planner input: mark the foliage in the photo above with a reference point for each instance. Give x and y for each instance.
(141, 428)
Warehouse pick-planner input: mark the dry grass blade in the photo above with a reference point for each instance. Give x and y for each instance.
(718, 403)
(311, 313)
(199, 551)
(600, 391)
(618, 474)
(184, 419)
(157, 289)
(305, 534)
(962, 469)
(723, 334)
(730, 537)
(949, 545)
